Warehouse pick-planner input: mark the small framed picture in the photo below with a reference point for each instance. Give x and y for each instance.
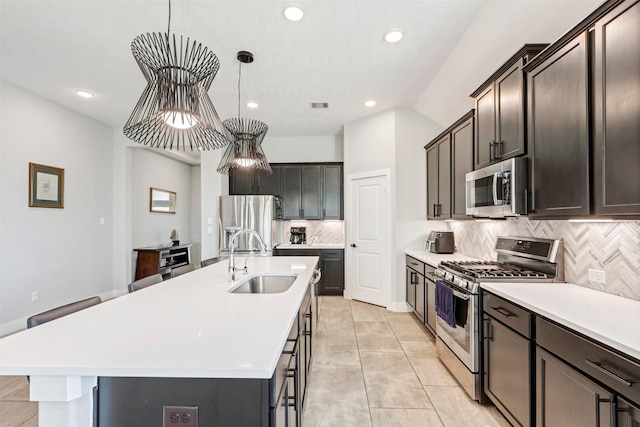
(46, 186)
(162, 201)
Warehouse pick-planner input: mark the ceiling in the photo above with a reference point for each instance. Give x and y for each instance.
(335, 54)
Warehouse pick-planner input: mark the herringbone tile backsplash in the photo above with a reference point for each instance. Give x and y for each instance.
(610, 246)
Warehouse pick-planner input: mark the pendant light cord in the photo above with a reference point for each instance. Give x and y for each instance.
(169, 23)
(239, 77)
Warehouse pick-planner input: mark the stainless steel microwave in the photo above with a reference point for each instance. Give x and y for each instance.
(498, 190)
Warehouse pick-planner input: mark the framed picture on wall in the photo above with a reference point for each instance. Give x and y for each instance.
(46, 186)
(162, 201)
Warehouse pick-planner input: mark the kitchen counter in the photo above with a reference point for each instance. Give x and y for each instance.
(606, 318)
(434, 259)
(188, 326)
(311, 246)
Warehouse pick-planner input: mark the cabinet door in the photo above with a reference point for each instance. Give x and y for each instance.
(420, 297)
(411, 279)
(432, 182)
(430, 312)
(462, 163)
(628, 414)
(444, 178)
(507, 372)
(485, 127)
(617, 111)
(311, 192)
(241, 182)
(270, 184)
(332, 281)
(558, 132)
(509, 114)
(291, 192)
(439, 179)
(565, 397)
(332, 192)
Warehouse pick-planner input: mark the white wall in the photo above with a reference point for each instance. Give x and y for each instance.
(303, 149)
(394, 140)
(485, 47)
(153, 170)
(63, 254)
(212, 185)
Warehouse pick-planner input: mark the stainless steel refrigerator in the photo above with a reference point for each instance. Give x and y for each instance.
(258, 213)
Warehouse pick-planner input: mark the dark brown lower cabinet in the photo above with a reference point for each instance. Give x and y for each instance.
(628, 414)
(507, 379)
(565, 397)
(508, 358)
(332, 280)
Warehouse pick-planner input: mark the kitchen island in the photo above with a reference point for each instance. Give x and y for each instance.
(189, 327)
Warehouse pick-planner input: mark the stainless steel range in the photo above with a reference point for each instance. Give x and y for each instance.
(519, 259)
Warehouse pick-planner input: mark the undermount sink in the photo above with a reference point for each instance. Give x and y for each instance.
(265, 284)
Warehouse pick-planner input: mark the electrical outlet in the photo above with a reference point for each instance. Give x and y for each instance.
(180, 416)
(34, 296)
(596, 276)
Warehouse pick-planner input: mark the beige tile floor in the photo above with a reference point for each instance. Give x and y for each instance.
(371, 367)
(377, 368)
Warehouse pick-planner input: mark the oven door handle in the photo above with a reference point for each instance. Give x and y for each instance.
(461, 295)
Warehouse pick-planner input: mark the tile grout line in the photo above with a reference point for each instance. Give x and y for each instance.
(414, 370)
(364, 383)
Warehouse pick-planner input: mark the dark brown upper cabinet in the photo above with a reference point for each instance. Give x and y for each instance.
(312, 191)
(449, 158)
(616, 89)
(558, 132)
(245, 181)
(500, 110)
(583, 110)
(439, 178)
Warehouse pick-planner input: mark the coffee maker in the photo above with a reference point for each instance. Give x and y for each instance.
(298, 235)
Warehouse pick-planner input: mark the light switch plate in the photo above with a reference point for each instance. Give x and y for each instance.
(180, 416)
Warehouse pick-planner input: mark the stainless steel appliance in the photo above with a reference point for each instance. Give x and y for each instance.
(256, 213)
(519, 259)
(441, 242)
(298, 235)
(498, 190)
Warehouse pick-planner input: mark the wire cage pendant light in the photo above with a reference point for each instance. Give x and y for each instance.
(245, 149)
(175, 111)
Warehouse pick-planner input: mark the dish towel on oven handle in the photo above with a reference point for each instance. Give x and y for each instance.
(445, 303)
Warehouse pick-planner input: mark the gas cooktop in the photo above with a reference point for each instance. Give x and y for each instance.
(519, 259)
(491, 269)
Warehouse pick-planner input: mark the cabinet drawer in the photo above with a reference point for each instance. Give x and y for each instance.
(331, 253)
(508, 313)
(617, 372)
(415, 264)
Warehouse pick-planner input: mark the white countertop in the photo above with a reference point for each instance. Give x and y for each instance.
(189, 326)
(607, 318)
(434, 259)
(311, 246)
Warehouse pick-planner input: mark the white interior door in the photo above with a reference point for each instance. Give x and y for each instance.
(367, 244)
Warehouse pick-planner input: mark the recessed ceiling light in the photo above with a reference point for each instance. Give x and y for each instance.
(393, 36)
(84, 93)
(293, 12)
(252, 104)
(370, 103)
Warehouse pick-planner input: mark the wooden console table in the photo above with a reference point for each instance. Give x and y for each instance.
(161, 259)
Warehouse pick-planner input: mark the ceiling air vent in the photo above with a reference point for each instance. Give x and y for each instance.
(319, 105)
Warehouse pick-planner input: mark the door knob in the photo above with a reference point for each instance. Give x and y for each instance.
(353, 245)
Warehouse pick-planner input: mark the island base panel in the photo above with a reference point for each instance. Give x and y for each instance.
(140, 402)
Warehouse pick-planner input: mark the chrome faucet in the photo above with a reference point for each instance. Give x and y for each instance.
(232, 263)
